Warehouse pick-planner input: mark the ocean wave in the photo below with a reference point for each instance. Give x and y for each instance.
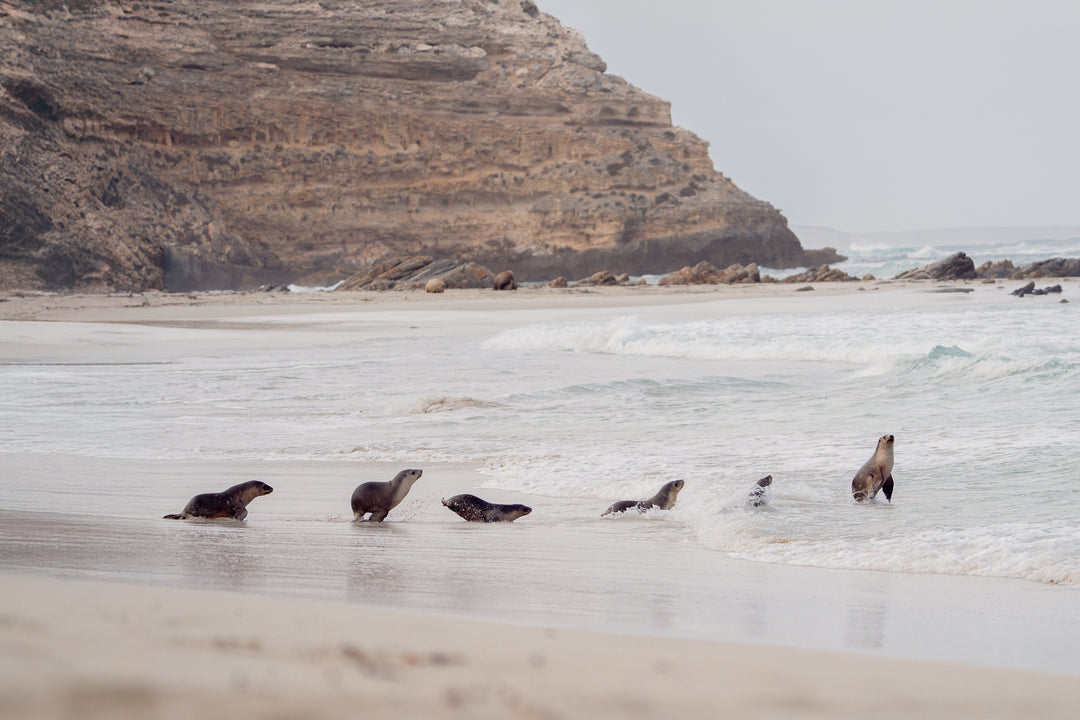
(738, 339)
(447, 403)
(926, 252)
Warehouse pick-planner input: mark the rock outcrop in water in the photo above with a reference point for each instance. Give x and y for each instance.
(959, 266)
(193, 145)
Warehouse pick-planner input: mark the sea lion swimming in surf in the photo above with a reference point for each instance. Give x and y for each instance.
(760, 494)
(663, 499)
(231, 503)
(876, 473)
(475, 509)
(379, 498)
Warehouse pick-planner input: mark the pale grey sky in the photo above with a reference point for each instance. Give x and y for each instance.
(866, 115)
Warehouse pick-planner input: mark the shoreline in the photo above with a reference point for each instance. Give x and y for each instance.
(135, 307)
(562, 566)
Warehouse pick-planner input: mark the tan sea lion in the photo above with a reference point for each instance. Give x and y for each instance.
(379, 498)
(475, 509)
(876, 473)
(663, 499)
(760, 494)
(231, 503)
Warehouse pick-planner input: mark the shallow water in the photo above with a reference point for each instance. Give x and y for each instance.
(563, 566)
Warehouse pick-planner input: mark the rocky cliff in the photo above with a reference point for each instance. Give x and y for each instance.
(193, 144)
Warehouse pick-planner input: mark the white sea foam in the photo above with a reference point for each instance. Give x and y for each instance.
(315, 288)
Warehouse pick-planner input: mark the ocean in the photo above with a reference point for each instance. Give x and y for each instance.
(886, 260)
(602, 404)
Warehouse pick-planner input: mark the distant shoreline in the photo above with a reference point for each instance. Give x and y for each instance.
(150, 305)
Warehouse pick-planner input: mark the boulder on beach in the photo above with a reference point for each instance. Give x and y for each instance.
(822, 273)
(957, 266)
(415, 272)
(599, 278)
(705, 273)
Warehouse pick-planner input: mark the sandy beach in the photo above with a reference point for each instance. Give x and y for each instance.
(90, 650)
(108, 611)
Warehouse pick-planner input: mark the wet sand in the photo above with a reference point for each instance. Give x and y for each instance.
(96, 650)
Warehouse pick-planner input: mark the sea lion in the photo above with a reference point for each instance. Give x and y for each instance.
(379, 498)
(876, 473)
(505, 281)
(663, 499)
(475, 509)
(760, 494)
(231, 503)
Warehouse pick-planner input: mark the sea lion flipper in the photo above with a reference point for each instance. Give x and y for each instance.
(886, 488)
(173, 516)
(378, 516)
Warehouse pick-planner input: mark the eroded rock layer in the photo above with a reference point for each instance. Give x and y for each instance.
(192, 144)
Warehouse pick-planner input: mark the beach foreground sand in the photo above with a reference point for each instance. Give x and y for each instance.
(90, 650)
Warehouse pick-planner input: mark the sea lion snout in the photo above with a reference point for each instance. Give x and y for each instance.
(888, 439)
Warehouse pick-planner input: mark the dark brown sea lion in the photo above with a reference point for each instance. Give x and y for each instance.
(379, 498)
(475, 509)
(663, 499)
(760, 495)
(505, 281)
(231, 503)
(876, 473)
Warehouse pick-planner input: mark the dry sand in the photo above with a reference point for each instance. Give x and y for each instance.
(90, 650)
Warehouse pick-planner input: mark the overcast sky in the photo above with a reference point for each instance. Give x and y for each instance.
(866, 115)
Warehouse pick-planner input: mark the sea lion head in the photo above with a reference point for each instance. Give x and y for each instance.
(886, 440)
(409, 476)
(250, 490)
(668, 493)
(765, 481)
(513, 512)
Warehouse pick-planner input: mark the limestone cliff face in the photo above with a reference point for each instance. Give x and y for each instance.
(194, 144)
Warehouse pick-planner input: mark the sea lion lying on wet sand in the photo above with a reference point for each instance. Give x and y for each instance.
(231, 503)
(663, 499)
(475, 509)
